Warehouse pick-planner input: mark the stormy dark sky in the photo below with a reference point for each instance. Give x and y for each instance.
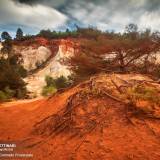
(33, 15)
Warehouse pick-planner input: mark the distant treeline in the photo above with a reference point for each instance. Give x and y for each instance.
(89, 32)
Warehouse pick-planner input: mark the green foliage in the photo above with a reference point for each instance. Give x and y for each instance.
(61, 82)
(46, 33)
(50, 81)
(10, 77)
(82, 32)
(12, 72)
(144, 99)
(19, 34)
(3, 96)
(53, 34)
(6, 36)
(91, 33)
(144, 93)
(48, 90)
(7, 94)
(52, 85)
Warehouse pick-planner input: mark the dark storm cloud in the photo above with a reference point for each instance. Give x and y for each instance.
(51, 3)
(28, 1)
(148, 4)
(152, 5)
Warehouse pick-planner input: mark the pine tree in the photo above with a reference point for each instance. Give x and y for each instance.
(5, 36)
(19, 34)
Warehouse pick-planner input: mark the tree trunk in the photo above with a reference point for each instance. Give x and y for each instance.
(121, 62)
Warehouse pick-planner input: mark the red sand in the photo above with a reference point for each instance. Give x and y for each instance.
(115, 137)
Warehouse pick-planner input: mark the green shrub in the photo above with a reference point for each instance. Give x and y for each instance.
(61, 82)
(12, 72)
(6, 94)
(9, 92)
(48, 90)
(52, 85)
(50, 81)
(142, 92)
(3, 96)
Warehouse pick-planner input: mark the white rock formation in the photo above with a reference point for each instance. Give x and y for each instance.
(31, 56)
(53, 68)
(0, 46)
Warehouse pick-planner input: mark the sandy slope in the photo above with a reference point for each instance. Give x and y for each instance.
(82, 126)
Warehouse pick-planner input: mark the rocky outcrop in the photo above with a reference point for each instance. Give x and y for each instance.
(33, 57)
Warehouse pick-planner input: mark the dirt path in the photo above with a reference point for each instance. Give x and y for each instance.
(19, 102)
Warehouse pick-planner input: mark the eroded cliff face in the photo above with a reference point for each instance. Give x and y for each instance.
(53, 66)
(33, 57)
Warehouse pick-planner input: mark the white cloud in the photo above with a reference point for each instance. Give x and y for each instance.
(38, 16)
(116, 14)
(150, 20)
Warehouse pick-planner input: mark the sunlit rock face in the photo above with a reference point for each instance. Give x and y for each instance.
(157, 57)
(1, 46)
(32, 57)
(152, 58)
(53, 68)
(65, 51)
(0, 49)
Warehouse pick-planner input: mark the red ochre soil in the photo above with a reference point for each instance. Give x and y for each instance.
(81, 123)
